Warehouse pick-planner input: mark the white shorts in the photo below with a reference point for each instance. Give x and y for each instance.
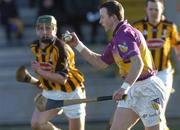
(167, 77)
(147, 99)
(72, 111)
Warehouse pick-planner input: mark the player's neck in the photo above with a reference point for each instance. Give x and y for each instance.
(154, 22)
(114, 26)
(43, 45)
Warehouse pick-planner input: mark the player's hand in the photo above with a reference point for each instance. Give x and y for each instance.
(118, 95)
(74, 40)
(46, 66)
(35, 66)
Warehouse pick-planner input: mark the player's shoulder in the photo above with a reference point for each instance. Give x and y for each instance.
(167, 21)
(34, 43)
(61, 45)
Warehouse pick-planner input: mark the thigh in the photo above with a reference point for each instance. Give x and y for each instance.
(167, 77)
(151, 102)
(124, 118)
(76, 111)
(43, 117)
(156, 127)
(77, 123)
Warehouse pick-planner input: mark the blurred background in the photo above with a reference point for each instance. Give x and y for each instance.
(17, 30)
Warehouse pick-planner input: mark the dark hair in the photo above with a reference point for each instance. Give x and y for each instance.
(114, 8)
(161, 1)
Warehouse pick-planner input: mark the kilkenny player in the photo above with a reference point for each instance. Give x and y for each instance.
(55, 67)
(161, 35)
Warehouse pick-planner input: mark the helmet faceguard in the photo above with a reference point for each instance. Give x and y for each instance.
(46, 28)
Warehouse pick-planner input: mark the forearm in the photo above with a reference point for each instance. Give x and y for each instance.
(92, 57)
(54, 77)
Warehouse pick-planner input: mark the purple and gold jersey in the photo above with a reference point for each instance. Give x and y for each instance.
(160, 39)
(126, 43)
(60, 58)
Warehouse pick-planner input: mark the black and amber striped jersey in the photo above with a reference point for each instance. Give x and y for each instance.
(60, 57)
(159, 39)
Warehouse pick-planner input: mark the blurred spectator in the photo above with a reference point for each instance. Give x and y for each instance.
(32, 3)
(10, 19)
(62, 16)
(93, 18)
(55, 8)
(76, 11)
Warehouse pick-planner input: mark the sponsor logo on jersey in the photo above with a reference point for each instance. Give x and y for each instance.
(46, 66)
(155, 43)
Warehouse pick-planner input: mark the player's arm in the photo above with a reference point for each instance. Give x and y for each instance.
(175, 41)
(92, 57)
(135, 70)
(48, 75)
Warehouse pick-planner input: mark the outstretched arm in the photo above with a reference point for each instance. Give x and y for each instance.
(90, 56)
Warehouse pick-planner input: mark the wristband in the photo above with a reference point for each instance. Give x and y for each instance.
(126, 86)
(80, 46)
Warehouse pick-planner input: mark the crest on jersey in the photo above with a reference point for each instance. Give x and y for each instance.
(123, 47)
